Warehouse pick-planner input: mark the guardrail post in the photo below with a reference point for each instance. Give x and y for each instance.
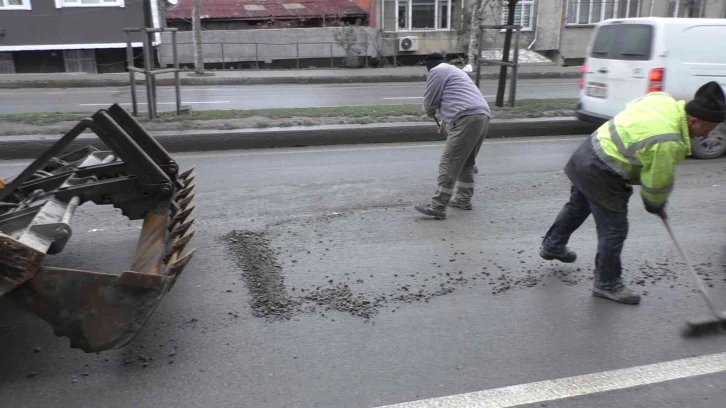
(366, 51)
(177, 79)
(132, 75)
(257, 57)
(297, 55)
(223, 65)
(332, 64)
(513, 80)
(478, 56)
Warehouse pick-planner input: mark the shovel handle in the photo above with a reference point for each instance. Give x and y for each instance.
(699, 281)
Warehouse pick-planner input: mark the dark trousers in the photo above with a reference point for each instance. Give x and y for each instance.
(612, 230)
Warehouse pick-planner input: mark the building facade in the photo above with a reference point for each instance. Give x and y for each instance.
(419, 27)
(42, 36)
(564, 27)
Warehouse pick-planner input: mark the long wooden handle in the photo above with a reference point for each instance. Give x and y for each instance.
(699, 281)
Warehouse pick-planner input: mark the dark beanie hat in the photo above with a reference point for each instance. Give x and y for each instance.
(708, 104)
(434, 59)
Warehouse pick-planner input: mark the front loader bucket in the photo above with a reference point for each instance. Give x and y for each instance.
(97, 311)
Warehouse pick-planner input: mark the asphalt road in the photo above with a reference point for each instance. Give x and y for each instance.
(453, 307)
(257, 96)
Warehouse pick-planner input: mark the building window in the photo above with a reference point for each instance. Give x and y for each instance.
(89, 3)
(684, 8)
(584, 12)
(15, 5)
(80, 61)
(523, 14)
(7, 65)
(416, 15)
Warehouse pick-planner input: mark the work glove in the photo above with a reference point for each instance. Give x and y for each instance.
(658, 210)
(2, 183)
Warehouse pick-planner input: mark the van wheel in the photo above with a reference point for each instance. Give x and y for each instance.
(711, 147)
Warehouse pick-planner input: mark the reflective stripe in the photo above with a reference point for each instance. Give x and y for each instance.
(615, 137)
(466, 185)
(616, 166)
(629, 152)
(445, 190)
(666, 137)
(663, 190)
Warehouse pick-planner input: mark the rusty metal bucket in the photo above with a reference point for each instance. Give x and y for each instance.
(97, 311)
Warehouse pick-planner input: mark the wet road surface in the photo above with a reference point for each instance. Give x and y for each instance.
(258, 96)
(317, 285)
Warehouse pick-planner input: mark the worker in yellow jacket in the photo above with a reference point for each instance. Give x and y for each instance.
(641, 146)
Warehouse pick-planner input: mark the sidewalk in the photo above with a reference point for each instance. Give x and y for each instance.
(268, 77)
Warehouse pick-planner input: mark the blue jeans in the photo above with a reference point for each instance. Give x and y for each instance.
(612, 230)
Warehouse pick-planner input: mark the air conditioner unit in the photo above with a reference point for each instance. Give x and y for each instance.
(408, 43)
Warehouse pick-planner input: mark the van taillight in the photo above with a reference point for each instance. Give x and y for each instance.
(583, 71)
(655, 80)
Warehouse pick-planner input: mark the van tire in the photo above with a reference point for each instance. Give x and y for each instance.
(711, 147)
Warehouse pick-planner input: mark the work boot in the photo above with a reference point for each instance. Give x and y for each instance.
(431, 211)
(619, 293)
(566, 255)
(460, 204)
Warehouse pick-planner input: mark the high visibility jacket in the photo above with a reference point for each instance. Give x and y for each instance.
(644, 143)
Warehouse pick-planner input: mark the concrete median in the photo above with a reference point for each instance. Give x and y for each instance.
(120, 80)
(25, 147)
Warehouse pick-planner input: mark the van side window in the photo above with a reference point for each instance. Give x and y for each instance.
(623, 42)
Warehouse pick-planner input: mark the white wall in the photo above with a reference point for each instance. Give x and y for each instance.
(272, 44)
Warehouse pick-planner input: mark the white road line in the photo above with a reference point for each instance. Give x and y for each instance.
(569, 387)
(332, 149)
(158, 103)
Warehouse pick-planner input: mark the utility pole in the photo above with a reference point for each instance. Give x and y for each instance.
(512, 5)
(197, 28)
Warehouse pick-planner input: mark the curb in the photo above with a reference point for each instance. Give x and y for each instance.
(29, 147)
(212, 80)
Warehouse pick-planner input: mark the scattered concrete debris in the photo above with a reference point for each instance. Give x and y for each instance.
(267, 256)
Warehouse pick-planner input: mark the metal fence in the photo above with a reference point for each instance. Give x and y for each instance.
(253, 53)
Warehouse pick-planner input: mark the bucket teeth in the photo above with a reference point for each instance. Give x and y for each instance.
(180, 217)
(178, 266)
(180, 243)
(185, 192)
(182, 228)
(175, 269)
(184, 203)
(186, 174)
(189, 180)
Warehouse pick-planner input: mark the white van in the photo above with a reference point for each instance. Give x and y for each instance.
(626, 58)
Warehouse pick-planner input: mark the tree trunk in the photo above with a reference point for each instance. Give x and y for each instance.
(505, 55)
(477, 15)
(197, 28)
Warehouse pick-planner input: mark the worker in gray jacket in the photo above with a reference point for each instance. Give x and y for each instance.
(465, 118)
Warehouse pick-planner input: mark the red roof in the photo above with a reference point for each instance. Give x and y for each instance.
(262, 9)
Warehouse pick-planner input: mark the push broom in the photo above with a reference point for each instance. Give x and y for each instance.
(707, 324)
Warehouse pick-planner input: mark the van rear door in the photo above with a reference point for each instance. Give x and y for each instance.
(620, 67)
